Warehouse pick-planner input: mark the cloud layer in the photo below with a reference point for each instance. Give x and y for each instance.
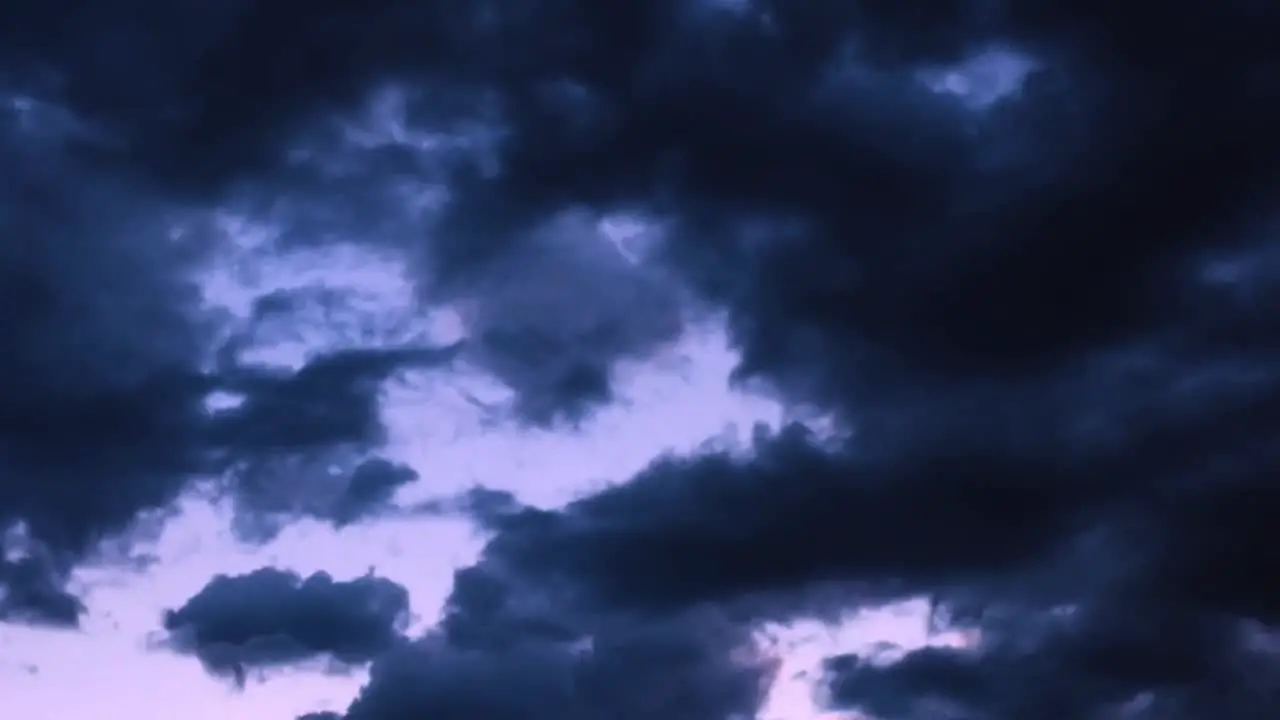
(1037, 311)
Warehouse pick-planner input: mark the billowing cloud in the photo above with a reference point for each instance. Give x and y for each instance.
(1038, 314)
(31, 591)
(269, 618)
(103, 412)
(553, 315)
(499, 653)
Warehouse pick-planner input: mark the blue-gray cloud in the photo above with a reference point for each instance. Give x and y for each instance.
(270, 618)
(1044, 320)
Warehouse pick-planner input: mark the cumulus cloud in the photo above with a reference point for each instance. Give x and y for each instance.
(270, 618)
(1040, 316)
(106, 368)
(500, 653)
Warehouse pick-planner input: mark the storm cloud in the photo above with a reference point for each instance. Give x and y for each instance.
(1039, 313)
(499, 653)
(109, 362)
(271, 618)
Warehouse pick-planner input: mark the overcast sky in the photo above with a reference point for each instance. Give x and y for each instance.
(675, 359)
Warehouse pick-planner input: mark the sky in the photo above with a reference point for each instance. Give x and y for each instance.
(693, 360)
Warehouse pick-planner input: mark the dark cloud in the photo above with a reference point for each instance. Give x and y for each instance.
(269, 618)
(1042, 321)
(500, 653)
(553, 315)
(372, 486)
(104, 379)
(338, 488)
(1137, 661)
(330, 400)
(489, 508)
(98, 405)
(31, 591)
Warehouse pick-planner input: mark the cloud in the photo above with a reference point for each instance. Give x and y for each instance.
(1041, 321)
(32, 591)
(330, 400)
(371, 488)
(300, 443)
(270, 618)
(105, 375)
(497, 652)
(1135, 661)
(106, 380)
(500, 654)
(96, 382)
(271, 495)
(554, 313)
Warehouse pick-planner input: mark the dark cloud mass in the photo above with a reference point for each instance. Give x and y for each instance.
(271, 618)
(510, 663)
(104, 373)
(1043, 322)
(98, 398)
(32, 592)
